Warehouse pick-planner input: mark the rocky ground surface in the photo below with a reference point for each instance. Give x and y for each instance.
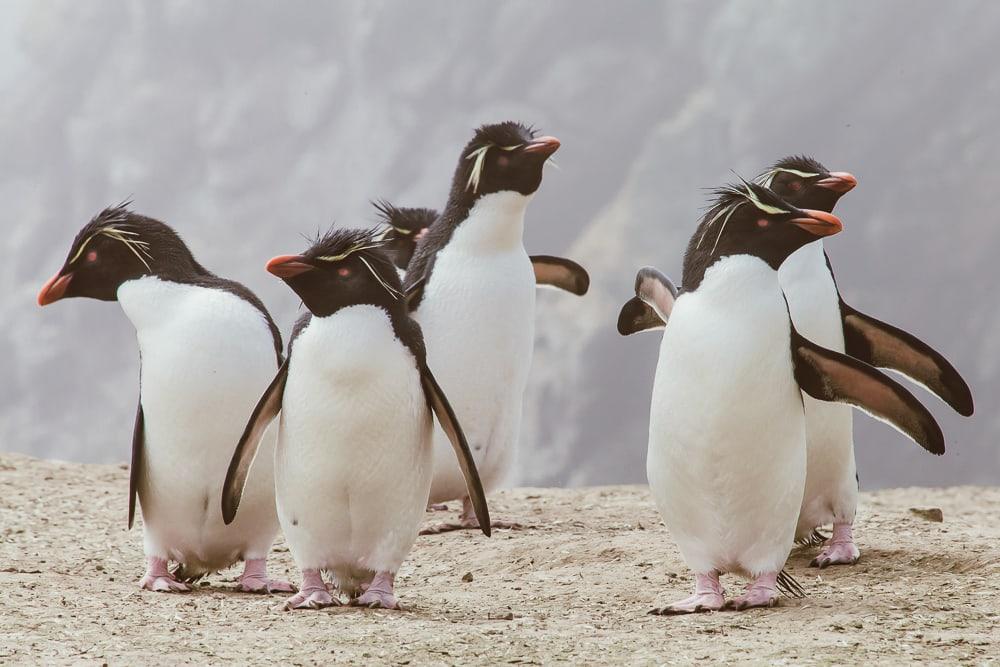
(573, 588)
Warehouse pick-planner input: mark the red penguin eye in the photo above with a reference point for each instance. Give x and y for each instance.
(92, 256)
(763, 222)
(343, 272)
(503, 161)
(795, 186)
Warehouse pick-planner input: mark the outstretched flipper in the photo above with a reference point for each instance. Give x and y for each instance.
(446, 417)
(135, 470)
(560, 272)
(650, 308)
(885, 346)
(264, 413)
(830, 376)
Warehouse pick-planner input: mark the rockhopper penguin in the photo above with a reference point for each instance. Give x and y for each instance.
(727, 450)
(207, 348)
(820, 314)
(354, 458)
(471, 286)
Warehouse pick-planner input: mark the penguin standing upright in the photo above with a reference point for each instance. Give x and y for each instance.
(471, 286)
(820, 314)
(207, 347)
(727, 451)
(354, 459)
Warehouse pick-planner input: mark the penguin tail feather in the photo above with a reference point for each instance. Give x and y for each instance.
(813, 539)
(188, 575)
(789, 587)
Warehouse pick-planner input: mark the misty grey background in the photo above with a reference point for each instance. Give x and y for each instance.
(244, 125)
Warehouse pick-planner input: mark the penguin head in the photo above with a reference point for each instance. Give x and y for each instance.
(404, 227)
(504, 157)
(749, 219)
(344, 267)
(117, 245)
(804, 182)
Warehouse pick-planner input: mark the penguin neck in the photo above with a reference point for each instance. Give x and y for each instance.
(150, 300)
(740, 280)
(494, 223)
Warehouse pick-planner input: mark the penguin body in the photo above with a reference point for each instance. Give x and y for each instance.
(355, 450)
(353, 465)
(207, 346)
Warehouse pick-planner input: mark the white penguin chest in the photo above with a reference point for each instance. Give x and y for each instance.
(812, 296)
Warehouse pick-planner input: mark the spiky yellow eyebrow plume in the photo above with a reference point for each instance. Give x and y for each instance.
(479, 155)
(767, 177)
(137, 246)
(350, 251)
(748, 196)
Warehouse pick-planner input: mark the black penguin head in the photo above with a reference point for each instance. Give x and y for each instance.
(749, 219)
(505, 157)
(804, 182)
(118, 245)
(405, 227)
(344, 267)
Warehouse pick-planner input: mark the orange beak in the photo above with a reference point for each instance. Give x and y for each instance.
(54, 289)
(838, 181)
(543, 146)
(819, 223)
(288, 266)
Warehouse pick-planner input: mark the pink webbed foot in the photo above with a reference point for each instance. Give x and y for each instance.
(159, 579)
(379, 594)
(254, 579)
(467, 521)
(839, 550)
(313, 594)
(708, 596)
(762, 592)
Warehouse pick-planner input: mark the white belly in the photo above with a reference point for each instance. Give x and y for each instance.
(207, 356)
(831, 491)
(478, 319)
(353, 464)
(726, 460)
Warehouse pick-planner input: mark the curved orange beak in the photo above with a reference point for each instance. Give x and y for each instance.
(288, 266)
(838, 181)
(544, 146)
(54, 289)
(819, 223)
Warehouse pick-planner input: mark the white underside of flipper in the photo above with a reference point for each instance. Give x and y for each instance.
(206, 355)
(478, 320)
(831, 492)
(727, 456)
(354, 459)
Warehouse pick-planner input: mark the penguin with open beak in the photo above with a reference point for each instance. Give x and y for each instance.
(727, 435)
(207, 347)
(355, 447)
(820, 314)
(471, 286)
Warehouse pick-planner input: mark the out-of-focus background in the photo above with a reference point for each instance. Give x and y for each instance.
(245, 125)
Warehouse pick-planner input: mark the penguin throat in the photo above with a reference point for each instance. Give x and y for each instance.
(495, 224)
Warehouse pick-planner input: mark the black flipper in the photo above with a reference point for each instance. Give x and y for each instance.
(446, 417)
(830, 376)
(414, 294)
(135, 469)
(885, 346)
(264, 413)
(650, 308)
(560, 272)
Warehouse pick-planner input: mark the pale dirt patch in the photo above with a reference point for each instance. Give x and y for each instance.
(575, 589)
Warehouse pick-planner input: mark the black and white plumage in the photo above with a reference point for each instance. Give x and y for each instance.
(820, 313)
(207, 348)
(727, 451)
(356, 394)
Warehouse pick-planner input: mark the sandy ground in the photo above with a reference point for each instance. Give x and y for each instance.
(575, 588)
